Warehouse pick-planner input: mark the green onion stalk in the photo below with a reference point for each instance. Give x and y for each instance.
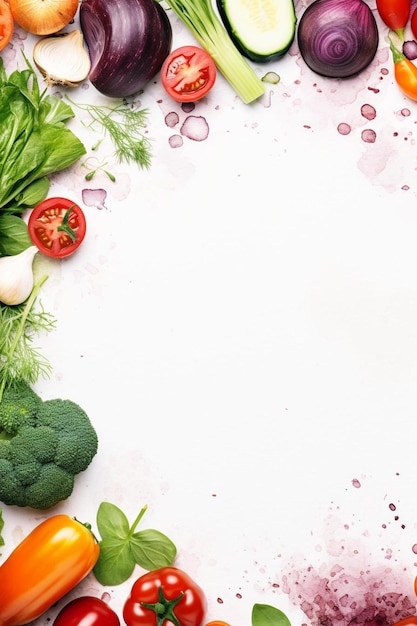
(199, 16)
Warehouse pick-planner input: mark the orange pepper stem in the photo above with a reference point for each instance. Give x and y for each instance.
(88, 526)
(397, 55)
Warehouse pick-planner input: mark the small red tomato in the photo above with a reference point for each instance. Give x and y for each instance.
(166, 595)
(394, 13)
(87, 611)
(188, 74)
(413, 23)
(57, 227)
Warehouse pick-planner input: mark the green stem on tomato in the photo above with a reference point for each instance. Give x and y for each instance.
(65, 227)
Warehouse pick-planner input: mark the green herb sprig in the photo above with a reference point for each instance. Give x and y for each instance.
(121, 548)
(125, 127)
(19, 358)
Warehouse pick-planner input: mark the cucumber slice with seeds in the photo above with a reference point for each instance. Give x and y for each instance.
(262, 30)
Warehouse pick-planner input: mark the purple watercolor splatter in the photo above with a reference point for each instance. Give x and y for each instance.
(195, 127)
(94, 197)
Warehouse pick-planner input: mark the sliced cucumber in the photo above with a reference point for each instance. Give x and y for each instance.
(262, 30)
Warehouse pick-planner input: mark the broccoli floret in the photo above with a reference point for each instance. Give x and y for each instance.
(18, 407)
(39, 461)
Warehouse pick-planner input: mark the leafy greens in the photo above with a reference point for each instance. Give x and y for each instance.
(34, 141)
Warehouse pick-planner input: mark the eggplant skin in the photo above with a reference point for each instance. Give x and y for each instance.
(127, 41)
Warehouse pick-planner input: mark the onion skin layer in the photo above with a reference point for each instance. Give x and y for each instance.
(338, 38)
(127, 40)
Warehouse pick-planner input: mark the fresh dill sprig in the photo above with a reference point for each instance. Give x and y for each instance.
(125, 127)
(19, 358)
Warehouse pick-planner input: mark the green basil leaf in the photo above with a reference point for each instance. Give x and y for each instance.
(266, 615)
(152, 549)
(115, 563)
(112, 522)
(14, 236)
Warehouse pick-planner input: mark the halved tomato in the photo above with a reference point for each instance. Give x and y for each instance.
(188, 74)
(57, 226)
(6, 24)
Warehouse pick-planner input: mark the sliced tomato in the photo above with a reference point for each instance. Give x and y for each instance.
(57, 226)
(6, 24)
(188, 74)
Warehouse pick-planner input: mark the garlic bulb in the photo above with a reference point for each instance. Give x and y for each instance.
(16, 276)
(62, 59)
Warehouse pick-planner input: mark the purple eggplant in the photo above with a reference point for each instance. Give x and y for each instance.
(127, 40)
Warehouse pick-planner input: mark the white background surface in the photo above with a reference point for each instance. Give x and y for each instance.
(240, 325)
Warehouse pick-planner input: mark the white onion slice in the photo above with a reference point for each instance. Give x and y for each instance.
(62, 59)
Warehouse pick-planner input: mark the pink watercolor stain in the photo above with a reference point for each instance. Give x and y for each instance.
(368, 135)
(94, 197)
(195, 127)
(368, 112)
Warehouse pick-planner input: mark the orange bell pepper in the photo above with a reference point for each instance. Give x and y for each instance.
(405, 73)
(46, 565)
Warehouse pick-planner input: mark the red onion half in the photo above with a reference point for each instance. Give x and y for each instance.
(337, 38)
(127, 40)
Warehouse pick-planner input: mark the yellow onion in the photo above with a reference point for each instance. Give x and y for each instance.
(43, 17)
(62, 59)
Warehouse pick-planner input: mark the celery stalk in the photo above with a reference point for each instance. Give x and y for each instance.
(199, 16)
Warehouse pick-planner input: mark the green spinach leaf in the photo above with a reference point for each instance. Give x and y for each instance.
(14, 236)
(121, 548)
(266, 615)
(34, 141)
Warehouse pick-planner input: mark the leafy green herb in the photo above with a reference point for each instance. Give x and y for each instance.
(19, 358)
(121, 548)
(125, 127)
(2, 543)
(266, 615)
(14, 236)
(34, 141)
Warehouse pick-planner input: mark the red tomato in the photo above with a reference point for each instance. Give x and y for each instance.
(394, 13)
(165, 596)
(413, 23)
(188, 74)
(6, 24)
(57, 227)
(87, 610)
